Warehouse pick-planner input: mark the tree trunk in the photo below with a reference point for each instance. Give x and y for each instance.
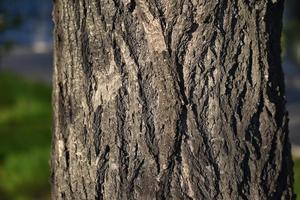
(158, 99)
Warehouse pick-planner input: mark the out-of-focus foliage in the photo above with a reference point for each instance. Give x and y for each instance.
(291, 31)
(25, 110)
(297, 178)
(7, 21)
(292, 40)
(25, 137)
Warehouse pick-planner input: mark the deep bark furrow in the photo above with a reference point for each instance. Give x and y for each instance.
(101, 172)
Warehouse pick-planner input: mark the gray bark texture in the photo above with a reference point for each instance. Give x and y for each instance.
(165, 99)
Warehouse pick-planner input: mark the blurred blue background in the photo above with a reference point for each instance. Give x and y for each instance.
(26, 37)
(25, 97)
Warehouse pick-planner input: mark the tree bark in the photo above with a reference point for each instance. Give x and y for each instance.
(158, 99)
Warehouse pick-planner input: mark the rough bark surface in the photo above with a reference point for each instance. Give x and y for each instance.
(159, 99)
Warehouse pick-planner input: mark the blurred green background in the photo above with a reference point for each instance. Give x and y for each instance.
(25, 127)
(25, 97)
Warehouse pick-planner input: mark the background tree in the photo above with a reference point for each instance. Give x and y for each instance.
(162, 99)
